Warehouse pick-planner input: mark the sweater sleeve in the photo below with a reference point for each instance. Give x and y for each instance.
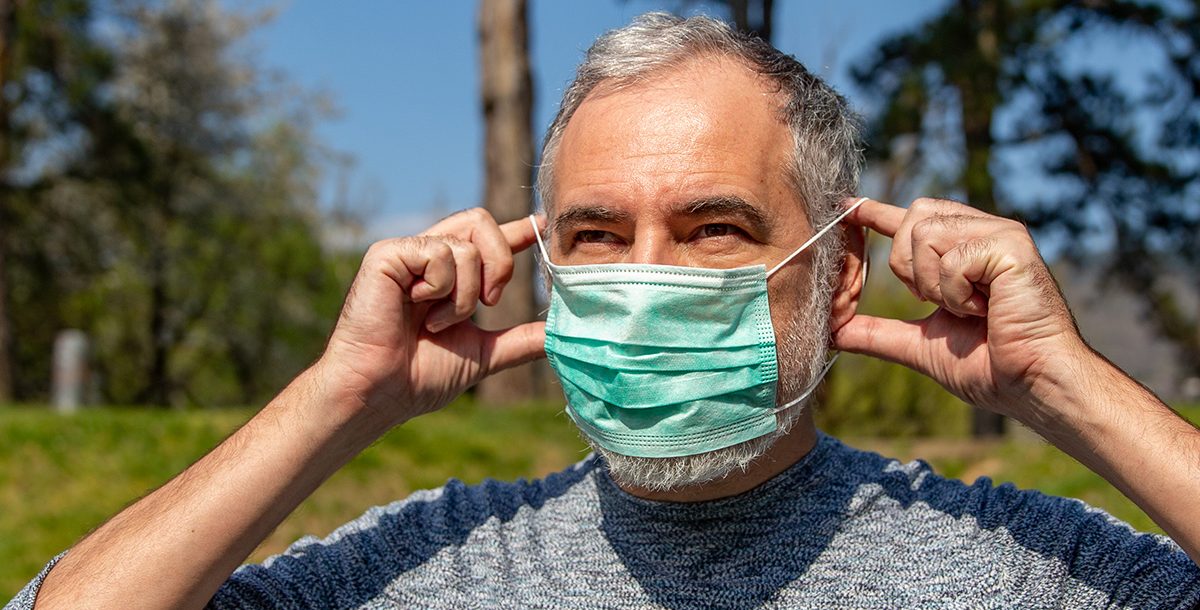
(28, 595)
(355, 563)
(1098, 552)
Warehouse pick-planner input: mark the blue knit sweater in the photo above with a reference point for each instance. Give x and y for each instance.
(841, 529)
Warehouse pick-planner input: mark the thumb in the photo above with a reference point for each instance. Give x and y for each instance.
(893, 340)
(512, 346)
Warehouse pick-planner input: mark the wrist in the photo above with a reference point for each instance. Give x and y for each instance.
(1068, 392)
(1083, 400)
(328, 413)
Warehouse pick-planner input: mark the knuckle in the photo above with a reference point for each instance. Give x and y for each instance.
(925, 229)
(469, 251)
(949, 265)
(375, 250)
(441, 248)
(501, 268)
(924, 205)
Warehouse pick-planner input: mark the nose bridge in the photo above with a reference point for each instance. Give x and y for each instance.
(651, 245)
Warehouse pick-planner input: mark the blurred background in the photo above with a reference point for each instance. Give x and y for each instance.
(187, 186)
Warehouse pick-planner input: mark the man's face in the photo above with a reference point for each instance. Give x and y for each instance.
(690, 169)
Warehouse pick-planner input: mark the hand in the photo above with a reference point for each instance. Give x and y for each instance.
(404, 344)
(1002, 337)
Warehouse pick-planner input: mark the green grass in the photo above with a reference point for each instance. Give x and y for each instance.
(62, 476)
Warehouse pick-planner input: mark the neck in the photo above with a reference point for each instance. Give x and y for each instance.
(786, 451)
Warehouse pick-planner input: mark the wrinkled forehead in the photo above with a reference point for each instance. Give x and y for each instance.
(708, 134)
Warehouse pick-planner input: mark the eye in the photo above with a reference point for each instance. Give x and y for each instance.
(717, 230)
(594, 236)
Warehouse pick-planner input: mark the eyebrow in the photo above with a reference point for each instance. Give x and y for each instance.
(587, 214)
(727, 205)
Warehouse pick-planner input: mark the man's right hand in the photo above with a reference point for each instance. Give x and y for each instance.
(404, 344)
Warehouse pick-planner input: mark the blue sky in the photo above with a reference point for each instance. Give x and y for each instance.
(404, 76)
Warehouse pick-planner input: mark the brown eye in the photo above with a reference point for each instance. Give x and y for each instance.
(594, 237)
(717, 230)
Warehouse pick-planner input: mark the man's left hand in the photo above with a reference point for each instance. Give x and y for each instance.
(1002, 331)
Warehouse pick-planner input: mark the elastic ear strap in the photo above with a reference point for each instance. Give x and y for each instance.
(816, 236)
(813, 386)
(538, 234)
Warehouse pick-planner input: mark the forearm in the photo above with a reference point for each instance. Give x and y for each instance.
(176, 546)
(1122, 431)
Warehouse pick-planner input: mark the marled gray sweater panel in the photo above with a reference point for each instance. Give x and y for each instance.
(842, 528)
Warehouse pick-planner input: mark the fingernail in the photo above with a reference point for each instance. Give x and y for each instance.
(494, 295)
(435, 326)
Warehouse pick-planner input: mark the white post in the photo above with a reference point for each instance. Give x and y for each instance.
(71, 371)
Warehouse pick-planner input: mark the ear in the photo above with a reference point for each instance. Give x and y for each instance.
(850, 279)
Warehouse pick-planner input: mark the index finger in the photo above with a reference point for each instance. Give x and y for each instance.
(883, 218)
(519, 233)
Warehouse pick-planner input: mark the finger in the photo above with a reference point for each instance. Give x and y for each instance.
(459, 224)
(510, 347)
(520, 234)
(893, 340)
(496, 255)
(499, 243)
(463, 298)
(430, 265)
(496, 244)
(937, 236)
(901, 259)
(959, 269)
(929, 239)
(883, 218)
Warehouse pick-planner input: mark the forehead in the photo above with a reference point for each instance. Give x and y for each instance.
(711, 127)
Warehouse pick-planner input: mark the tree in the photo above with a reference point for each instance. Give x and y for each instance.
(755, 17)
(213, 205)
(1117, 165)
(507, 94)
(50, 68)
(175, 217)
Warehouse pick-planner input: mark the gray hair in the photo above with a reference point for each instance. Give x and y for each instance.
(827, 157)
(826, 162)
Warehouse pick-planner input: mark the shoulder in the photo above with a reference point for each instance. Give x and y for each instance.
(364, 556)
(1054, 541)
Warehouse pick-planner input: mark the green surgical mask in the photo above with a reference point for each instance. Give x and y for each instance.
(666, 361)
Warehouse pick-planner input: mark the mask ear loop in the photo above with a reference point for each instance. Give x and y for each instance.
(866, 267)
(816, 236)
(541, 245)
(811, 387)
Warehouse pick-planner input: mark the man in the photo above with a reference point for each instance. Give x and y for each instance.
(686, 161)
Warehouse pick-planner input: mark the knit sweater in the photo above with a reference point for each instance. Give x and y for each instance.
(842, 528)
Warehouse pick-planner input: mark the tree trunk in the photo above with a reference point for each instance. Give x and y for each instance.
(978, 93)
(6, 368)
(507, 93)
(158, 388)
(7, 35)
(757, 22)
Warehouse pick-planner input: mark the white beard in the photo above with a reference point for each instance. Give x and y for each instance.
(801, 348)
